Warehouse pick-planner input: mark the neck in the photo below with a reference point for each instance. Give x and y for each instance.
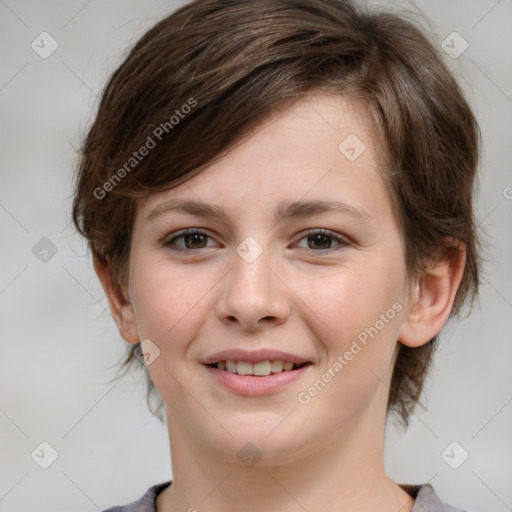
(343, 473)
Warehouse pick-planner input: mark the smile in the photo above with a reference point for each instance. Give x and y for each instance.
(256, 379)
(260, 369)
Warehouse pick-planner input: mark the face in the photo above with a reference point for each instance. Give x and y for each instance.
(303, 269)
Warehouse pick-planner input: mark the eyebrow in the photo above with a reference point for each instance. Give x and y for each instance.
(284, 210)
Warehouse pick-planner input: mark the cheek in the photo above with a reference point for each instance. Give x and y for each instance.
(359, 310)
(169, 306)
(360, 317)
(167, 302)
(347, 301)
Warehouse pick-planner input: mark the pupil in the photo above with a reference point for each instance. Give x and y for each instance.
(317, 240)
(193, 235)
(320, 237)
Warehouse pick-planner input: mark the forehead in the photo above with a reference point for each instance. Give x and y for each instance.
(320, 148)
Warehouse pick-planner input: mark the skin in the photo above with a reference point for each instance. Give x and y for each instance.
(298, 296)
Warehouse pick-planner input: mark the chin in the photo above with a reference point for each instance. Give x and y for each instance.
(267, 441)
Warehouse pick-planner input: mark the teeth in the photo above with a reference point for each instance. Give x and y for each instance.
(260, 369)
(276, 366)
(244, 368)
(230, 366)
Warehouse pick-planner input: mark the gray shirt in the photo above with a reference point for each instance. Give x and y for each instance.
(426, 500)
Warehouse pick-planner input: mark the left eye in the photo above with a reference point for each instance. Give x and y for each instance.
(321, 237)
(194, 239)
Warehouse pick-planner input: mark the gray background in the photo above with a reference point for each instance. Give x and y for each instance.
(59, 346)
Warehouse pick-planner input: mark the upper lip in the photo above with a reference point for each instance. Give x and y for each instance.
(253, 356)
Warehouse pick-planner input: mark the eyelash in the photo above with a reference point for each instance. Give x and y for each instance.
(343, 242)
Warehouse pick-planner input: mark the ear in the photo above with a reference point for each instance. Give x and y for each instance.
(431, 302)
(120, 307)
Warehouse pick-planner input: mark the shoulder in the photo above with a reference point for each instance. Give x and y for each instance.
(147, 503)
(428, 501)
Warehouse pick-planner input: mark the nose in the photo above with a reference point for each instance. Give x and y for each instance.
(254, 294)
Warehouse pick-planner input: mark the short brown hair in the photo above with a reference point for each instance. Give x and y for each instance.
(234, 62)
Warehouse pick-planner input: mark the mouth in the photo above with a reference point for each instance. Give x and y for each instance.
(259, 369)
(255, 373)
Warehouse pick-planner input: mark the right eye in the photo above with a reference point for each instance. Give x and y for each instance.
(193, 240)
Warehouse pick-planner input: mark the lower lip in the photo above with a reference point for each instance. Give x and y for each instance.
(251, 385)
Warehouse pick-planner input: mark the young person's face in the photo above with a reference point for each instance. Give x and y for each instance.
(267, 288)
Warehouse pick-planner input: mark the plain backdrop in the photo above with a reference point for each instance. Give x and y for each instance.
(59, 346)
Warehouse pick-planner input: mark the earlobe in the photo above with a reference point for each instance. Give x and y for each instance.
(430, 304)
(120, 307)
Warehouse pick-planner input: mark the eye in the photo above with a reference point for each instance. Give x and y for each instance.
(320, 240)
(193, 239)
